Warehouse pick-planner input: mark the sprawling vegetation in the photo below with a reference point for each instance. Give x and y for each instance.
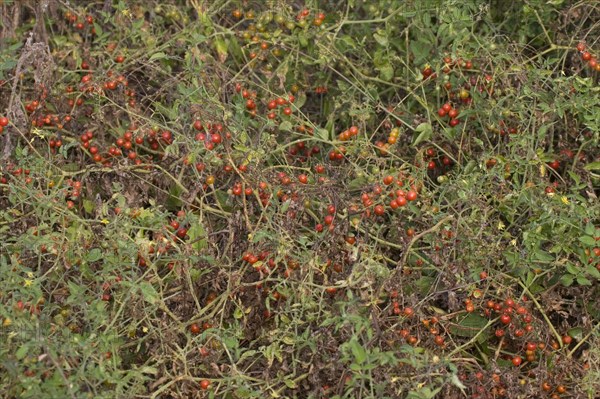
(289, 199)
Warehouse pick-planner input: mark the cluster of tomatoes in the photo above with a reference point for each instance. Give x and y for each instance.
(24, 174)
(80, 25)
(272, 105)
(348, 133)
(450, 112)
(588, 57)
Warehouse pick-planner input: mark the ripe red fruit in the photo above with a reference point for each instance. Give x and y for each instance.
(505, 319)
(204, 384)
(554, 164)
(454, 122)
(166, 136)
(411, 195)
(517, 360)
(580, 46)
(250, 104)
(379, 210)
(195, 329)
(3, 121)
(216, 138)
(401, 201)
(303, 179)
(519, 332)
(586, 56)
(567, 339)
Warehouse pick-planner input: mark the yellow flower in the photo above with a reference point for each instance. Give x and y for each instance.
(564, 200)
(501, 225)
(27, 282)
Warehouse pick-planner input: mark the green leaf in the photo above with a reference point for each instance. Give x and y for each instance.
(22, 351)
(571, 268)
(576, 332)
(94, 255)
(173, 200)
(157, 56)
(421, 50)
(592, 166)
(590, 229)
(425, 131)
(542, 256)
(360, 354)
(290, 383)
(587, 240)
(323, 134)
(149, 292)
(592, 271)
(88, 206)
(381, 38)
(222, 47)
(302, 39)
(285, 126)
(457, 382)
(424, 284)
(300, 100)
(148, 370)
(98, 28)
(197, 236)
(567, 280)
(582, 280)
(470, 326)
(386, 72)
